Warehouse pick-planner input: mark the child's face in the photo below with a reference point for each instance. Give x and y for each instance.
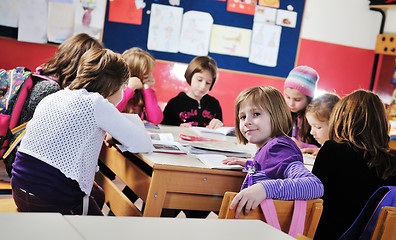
(200, 84)
(116, 98)
(296, 100)
(319, 129)
(254, 124)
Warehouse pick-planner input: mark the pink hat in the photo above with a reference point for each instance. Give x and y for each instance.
(303, 79)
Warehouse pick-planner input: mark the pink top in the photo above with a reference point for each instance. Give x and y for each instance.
(152, 110)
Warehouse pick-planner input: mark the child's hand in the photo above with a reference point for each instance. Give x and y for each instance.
(296, 141)
(148, 81)
(214, 123)
(108, 141)
(135, 83)
(313, 151)
(249, 198)
(235, 161)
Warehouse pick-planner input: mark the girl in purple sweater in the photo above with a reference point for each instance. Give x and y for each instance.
(277, 170)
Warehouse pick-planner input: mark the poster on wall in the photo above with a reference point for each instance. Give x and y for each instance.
(195, 33)
(164, 28)
(265, 44)
(269, 3)
(125, 11)
(60, 21)
(230, 40)
(242, 6)
(32, 21)
(9, 13)
(265, 15)
(286, 18)
(89, 17)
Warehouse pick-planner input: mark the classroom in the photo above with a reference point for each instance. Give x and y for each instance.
(350, 45)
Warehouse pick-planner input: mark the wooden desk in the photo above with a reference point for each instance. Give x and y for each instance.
(96, 228)
(166, 180)
(43, 226)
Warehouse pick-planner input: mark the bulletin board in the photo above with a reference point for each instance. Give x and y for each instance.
(121, 36)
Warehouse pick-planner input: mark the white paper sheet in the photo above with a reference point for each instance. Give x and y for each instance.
(216, 161)
(32, 26)
(265, 15)
(60, 21)
(195, 33)
(9, 13)
(164, 28)
(89, 17)
(265, 44)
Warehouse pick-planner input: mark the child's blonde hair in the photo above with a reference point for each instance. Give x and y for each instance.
(199, 64)
(359, 119)
(102, 71)
(322, 106)
(270, 100)
(140, 63)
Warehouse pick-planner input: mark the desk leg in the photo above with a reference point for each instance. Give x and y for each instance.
(119, 204)
(156, 194)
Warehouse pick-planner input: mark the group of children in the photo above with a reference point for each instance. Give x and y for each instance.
(56, 161)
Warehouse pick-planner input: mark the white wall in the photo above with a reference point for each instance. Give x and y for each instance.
(344, 22)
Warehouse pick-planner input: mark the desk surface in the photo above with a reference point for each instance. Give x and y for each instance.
(93, 227)
(43, 226)
(168, 180)
(190, 160)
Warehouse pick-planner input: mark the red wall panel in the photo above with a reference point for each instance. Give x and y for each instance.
(342, 69)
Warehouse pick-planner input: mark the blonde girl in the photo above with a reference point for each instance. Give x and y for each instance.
(277, 170)
(318, 114)
(139, 97)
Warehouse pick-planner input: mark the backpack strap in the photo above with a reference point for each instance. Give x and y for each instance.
(298, 219)
(269, 212)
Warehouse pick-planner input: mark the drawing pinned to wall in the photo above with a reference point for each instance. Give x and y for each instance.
(265, 15)
(125, 11)
(32, 21)
(230, 40)
(60, 21)
(242, 6)
(89, 17)
(164, 28)
(269, 3)
(195, 33)
(9, 13)
(265, 44)
(286, 18)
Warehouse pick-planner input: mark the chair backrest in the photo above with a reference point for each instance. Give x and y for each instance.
(363, 226)
(284, 210)
(385, 228)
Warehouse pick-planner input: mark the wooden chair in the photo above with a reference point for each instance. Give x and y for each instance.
(8, 205)
(385, 227)
(284, 210)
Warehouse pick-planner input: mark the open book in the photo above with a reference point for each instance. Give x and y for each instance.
(223, 148)
(229, 131)
(216, 161)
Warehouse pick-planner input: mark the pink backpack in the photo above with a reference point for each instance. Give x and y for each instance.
(15, 85)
